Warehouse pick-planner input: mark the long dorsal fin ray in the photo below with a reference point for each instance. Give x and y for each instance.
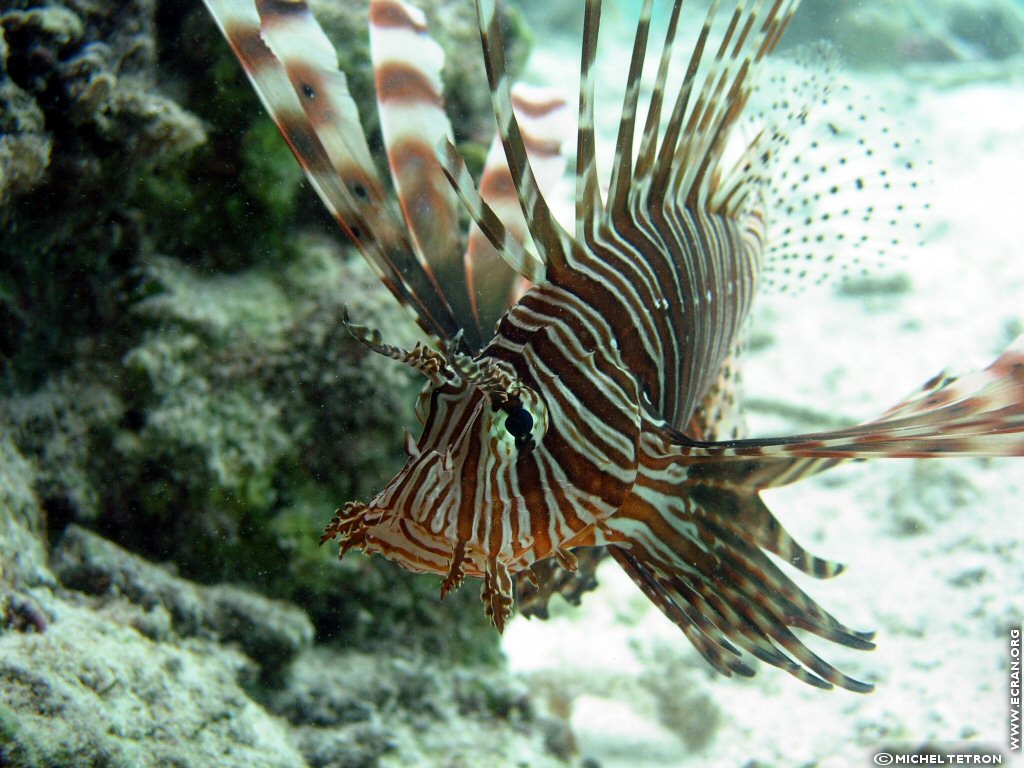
(544, 121)
(525, 263)
(490, 275)
(589, 207)
(552, 241)
(407, 65)
(668, 149)
(690, 168)
(293, 69)
(649, 139)
(622, 164)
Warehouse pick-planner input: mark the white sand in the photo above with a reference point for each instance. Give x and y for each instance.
(933, 549)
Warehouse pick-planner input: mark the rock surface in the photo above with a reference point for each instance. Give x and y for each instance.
(181, 409)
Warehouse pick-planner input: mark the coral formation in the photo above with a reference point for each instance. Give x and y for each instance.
(92, 691)
(176, 386)
(402, 710)
(21, 521)
(83, 122)
(197, 397)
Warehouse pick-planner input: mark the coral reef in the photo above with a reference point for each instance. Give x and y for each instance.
(270, 633)
(402, 711)
(22, 548)
(90, 692)
(83, 122)
(24, 145)
(141, 668)
(176, 387)
(113, 661)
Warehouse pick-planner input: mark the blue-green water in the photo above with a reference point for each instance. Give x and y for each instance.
(182, 409)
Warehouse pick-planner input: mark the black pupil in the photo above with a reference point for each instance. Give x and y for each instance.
(519, 422)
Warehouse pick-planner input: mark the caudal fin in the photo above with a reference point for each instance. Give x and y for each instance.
(980, 414)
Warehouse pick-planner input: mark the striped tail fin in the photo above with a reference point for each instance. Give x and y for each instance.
(980, 414)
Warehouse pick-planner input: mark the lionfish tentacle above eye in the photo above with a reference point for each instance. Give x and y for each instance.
(427, 361)
(604, 412)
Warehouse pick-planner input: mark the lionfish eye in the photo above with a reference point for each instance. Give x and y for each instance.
(519, 422)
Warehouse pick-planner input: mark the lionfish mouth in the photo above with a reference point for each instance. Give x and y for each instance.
(386, 531)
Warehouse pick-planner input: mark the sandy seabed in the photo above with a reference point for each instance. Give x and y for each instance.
(933, 549)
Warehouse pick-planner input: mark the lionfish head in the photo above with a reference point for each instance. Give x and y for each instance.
(452, 508)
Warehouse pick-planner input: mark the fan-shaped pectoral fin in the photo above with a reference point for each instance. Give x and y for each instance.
(293, 67)
(695, 539)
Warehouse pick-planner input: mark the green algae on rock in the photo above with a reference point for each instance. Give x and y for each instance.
(174, 375)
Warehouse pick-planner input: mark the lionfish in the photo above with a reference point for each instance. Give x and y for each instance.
(588, 416)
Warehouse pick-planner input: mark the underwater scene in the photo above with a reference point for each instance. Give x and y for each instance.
(666, 415)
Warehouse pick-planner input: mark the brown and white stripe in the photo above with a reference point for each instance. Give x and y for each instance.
(596, 414)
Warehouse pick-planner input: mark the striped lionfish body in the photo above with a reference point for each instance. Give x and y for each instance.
(584, 421)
